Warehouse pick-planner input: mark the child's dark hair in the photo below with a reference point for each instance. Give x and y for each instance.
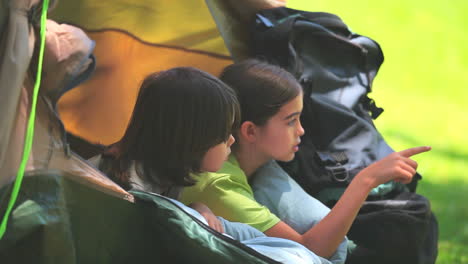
(262, 88)
(179, 114)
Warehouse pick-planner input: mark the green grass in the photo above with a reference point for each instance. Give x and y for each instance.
(423, 87)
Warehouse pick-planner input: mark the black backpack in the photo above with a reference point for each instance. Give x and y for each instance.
(336, 68)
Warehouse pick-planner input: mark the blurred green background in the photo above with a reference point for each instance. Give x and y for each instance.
(423, 87)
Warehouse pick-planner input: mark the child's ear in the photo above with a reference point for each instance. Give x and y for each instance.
(248, 131)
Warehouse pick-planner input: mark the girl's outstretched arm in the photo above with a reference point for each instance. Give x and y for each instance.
(324, 238)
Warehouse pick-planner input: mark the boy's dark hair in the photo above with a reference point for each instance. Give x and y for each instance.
(179, 114)
(262, 88)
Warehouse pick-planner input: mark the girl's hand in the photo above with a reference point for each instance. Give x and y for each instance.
(212, 220)
(396, 166)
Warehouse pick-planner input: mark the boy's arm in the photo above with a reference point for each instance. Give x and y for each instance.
(212, 220)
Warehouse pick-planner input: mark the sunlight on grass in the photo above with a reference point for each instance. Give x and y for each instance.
(423, 87)
(452, 253)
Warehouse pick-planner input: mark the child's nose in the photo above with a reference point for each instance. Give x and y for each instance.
(300, 129)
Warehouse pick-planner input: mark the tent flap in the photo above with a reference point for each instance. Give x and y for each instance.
(59, 220)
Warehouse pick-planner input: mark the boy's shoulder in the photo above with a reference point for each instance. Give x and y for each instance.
(230, 173)
(209, 178)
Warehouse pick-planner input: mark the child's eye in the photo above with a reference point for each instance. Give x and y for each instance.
(292, 122)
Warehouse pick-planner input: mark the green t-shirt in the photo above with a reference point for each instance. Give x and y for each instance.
(228, 194)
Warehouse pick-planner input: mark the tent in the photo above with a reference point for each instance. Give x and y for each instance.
(66, 210)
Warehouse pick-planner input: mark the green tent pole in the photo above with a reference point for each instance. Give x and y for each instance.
(30, 128)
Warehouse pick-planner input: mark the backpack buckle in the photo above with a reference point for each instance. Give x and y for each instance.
(369, 105)
(338, 173)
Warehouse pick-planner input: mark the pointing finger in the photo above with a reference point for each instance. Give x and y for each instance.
(413, 151)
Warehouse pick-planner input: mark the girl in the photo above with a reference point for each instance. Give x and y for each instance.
(270, 129)
(181, 125)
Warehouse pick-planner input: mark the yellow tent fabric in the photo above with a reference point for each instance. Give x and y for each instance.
(100, 109)
(133, 39)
